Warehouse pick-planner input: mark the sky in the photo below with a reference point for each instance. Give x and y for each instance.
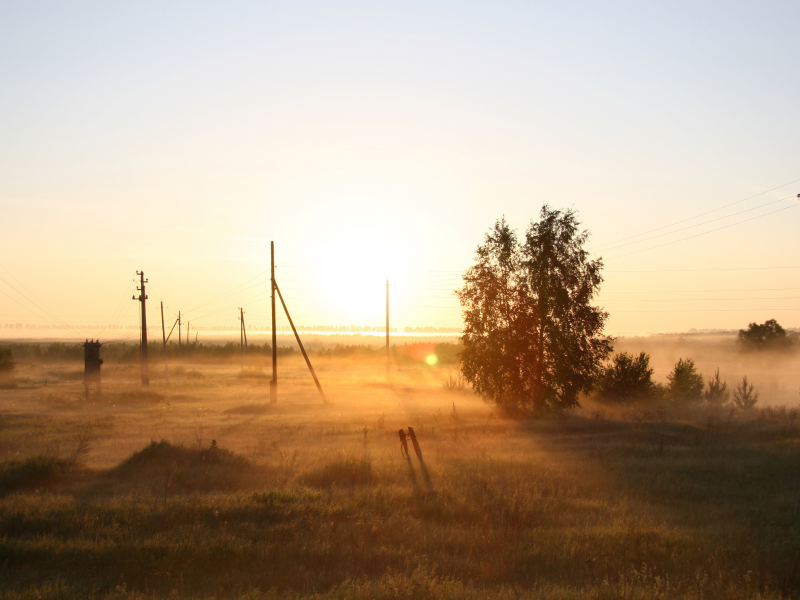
(377, 140)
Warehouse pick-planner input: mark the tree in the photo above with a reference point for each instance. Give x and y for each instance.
(628, 379)
(768, 336)
(685, 383)
(717, 393)
(532, 340)
(745, 395)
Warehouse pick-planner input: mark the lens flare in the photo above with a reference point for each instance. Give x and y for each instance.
(431, 360)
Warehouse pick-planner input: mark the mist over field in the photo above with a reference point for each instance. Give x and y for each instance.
(423, 300)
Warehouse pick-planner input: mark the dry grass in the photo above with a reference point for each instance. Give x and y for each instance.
(198, 487)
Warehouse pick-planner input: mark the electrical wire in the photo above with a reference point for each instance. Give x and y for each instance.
(595, 248)
(706, 232)
(701, 214)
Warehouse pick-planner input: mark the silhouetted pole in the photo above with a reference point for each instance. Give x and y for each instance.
(179, 337)
(244, 331)
(164, 337)
(241, 335)
(299, 343)
(273, 384)
(387, 327)
(142, 297)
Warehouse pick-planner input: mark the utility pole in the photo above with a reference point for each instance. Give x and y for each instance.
(142, 297)
(164, 337)
(387, 328)
(188, 345)
(241, 335)
(300, 343)
(179, 337)
(273, 384)
(244, 331)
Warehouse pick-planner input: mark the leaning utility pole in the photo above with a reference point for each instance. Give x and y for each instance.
(164, 337)
(300, 343)
(241, 335)
(387, 328)
(244, 331)
(273, 384)
(142, 297)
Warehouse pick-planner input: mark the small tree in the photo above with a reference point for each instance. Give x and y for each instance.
(627, 379)
(745, 395)
(685, 383)
(717, 393)
(7, 363)
(768, 336)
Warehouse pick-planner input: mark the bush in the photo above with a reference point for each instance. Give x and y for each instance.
(627, 379)
(745, 395)
(685, 383)
(7, 363)
(455, 382)
(717, 393)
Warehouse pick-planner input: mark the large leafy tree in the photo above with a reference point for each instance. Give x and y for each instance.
(532, 339)
(768, 336)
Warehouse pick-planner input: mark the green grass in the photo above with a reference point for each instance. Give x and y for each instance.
(303, 500)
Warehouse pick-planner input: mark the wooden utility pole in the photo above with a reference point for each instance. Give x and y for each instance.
(164, 337)
(299, 343)
(241, 335)
(142, 298)
(387, 328)
(244, 331)
(273, 384)
(179, 337)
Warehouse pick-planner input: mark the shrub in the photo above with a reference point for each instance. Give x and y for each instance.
(745, 395)
(717, 392)
(7, 363)
(454, 382)
(343, 470)
(627, 379)
(685, 383)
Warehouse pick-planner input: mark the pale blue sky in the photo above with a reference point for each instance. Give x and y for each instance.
(179, 138)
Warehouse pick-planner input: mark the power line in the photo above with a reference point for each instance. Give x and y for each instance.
(698, 291)
(701, 214)
(707, 310)
(698, 270)
(595, 248)
(702, 299)
(705, 232)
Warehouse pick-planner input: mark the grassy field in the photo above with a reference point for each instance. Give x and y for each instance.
(199, 487)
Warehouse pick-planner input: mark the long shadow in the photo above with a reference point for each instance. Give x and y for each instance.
(716, 482)
(422, 467)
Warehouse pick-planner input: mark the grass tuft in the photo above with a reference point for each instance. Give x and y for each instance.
(345, 470)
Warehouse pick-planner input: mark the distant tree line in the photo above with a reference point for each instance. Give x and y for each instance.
(32, 352)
